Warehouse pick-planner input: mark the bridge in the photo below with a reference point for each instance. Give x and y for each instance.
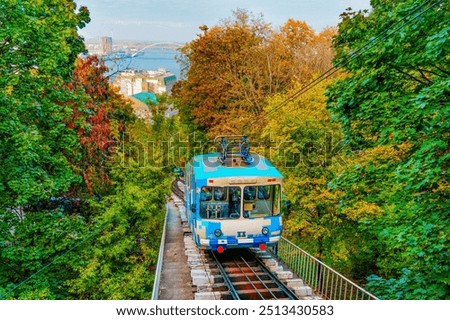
(159, 45)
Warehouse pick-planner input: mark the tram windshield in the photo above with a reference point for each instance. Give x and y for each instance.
(220, 202)
(261, 201)
(227, 202)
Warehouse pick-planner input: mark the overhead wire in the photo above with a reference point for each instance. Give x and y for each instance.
(387, 32)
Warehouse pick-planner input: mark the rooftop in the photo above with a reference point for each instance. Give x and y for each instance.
(208, 166)
(146, 97)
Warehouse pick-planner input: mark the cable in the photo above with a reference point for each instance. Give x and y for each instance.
(372, 42)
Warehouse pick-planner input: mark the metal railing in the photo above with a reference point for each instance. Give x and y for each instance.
(325, 281)
(155, 292)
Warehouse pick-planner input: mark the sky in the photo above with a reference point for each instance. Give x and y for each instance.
(178, 20)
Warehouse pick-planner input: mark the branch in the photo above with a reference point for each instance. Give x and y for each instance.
(424, 76)
(442, 70)
(429, 71)
(410, 76)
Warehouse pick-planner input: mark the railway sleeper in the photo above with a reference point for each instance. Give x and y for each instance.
(241, 277)
(245, 285)
(251, 294)
(244, 270)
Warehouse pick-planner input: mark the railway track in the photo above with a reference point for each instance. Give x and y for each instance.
(247, 278)
(176, 188)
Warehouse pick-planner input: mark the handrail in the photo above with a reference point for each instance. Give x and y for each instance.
(327, 282)
(155, 292)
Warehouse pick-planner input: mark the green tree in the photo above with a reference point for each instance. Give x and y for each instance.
(38, 255)
(394, 105)
(119, 264)
(60, 125)
(38, 47)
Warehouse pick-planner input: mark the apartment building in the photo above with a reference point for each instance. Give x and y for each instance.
(131, 82)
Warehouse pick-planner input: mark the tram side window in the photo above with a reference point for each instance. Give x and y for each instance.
(206, 195)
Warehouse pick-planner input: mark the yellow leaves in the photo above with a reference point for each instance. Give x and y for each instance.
(443, 187)
(363, 210)
(307, 111)
(235, 66)
(297, 32)
(391, 152)
(9, 90)
(293, 226)
(340, 252)
(378, 156)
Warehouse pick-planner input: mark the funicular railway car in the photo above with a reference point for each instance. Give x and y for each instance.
(233, 198)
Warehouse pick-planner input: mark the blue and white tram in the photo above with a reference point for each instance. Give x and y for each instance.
(233, 200)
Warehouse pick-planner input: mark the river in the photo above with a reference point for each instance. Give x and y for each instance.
(150, 59)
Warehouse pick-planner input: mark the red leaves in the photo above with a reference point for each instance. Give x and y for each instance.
(92, 119)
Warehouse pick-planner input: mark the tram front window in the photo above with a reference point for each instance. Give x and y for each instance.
(220, 194)
(261, 201)
(220, 202)
(235, 203)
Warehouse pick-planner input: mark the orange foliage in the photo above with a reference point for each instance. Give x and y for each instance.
(235, 66)
(94, 118)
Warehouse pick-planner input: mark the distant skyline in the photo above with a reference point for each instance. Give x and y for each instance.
(178, 20)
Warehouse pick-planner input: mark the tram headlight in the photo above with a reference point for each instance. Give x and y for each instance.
(218, 233)
(265, 231)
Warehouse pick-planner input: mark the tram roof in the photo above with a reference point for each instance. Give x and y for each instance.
(207, 166)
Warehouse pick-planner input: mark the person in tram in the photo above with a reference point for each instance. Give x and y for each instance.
(219, 194)
(206, 194)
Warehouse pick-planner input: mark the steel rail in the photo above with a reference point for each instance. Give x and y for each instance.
(176, 190)
(260, 280)
(291, 295)
(234, 292)
(248, 279)
(226, 278)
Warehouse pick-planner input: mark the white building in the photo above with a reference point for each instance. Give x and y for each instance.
(132, 82)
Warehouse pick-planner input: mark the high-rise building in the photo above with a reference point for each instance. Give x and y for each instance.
(105, 45)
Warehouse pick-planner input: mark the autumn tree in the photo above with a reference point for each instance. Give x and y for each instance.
(235, 66)
(99, 117)
(219, 81)
(307, 54)
(306, 146)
